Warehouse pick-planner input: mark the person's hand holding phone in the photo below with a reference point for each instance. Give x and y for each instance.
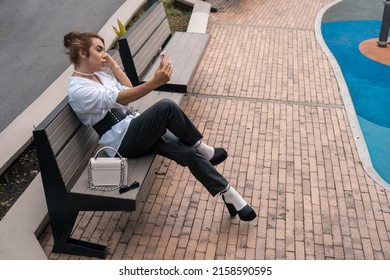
(164, 71)
(164, 57)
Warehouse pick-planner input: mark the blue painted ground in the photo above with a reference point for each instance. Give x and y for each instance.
(369, 85)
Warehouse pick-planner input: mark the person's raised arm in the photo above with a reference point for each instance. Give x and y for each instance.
(119, 74)
(161, 77)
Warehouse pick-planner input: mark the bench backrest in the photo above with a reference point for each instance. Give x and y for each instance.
(143, 42)
(64, 146)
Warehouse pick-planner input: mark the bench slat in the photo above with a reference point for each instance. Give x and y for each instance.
(137, 171)
(141, 44)
(185, 51)
(146, 101)
(195, 45)
(145, 28)
(76, 154)
(62, 128)
(151, 49)
(146, 38)
(142, 104)
(52, 127)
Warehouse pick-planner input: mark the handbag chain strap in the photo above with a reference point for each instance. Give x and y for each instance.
(91, 186)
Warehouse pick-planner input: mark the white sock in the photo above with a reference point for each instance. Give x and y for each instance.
(205, 150)
(233, 197)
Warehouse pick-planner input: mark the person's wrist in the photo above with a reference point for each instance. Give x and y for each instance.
(114, 67)
(155, 83)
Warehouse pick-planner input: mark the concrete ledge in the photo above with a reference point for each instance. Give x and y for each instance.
(23, 222)
(28, 216)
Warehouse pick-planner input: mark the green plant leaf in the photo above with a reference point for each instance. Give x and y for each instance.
(116, 31)
(122, 28)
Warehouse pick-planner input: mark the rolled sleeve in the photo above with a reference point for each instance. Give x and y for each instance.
(90, 100)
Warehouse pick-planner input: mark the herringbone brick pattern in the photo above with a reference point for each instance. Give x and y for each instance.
(267, 93)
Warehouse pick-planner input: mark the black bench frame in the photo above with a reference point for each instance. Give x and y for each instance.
(64, 147)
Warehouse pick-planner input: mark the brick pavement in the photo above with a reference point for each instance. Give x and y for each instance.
(266, 91)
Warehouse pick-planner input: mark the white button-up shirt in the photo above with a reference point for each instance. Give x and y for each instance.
(91, 101)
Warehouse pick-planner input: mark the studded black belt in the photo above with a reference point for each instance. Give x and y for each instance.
(110, 119)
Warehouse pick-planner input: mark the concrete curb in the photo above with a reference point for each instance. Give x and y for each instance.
(349, 107)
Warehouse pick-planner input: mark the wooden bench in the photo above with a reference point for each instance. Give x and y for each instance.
(141, 45)
(64, 146)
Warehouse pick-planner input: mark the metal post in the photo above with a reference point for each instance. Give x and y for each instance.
(384, 32)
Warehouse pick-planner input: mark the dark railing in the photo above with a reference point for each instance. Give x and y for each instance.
(384, 32)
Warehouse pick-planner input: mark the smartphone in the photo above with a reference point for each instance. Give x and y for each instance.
(164, 57)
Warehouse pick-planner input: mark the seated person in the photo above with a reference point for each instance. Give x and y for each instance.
(100, 100)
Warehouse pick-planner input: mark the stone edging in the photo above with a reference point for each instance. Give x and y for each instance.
(348, 104)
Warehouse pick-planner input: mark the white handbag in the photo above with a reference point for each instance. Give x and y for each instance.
(106, 173)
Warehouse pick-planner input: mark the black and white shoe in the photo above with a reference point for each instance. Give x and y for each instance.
(237, 205)
(220, 155)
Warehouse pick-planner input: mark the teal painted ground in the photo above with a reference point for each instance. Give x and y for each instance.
(368, 83)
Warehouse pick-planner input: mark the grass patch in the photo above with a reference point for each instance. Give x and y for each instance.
(178, 18)
(17, 177)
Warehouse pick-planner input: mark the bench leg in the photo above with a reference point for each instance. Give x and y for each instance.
(62, 223)
(80, 248)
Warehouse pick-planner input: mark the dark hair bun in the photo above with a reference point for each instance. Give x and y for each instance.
(70, 37)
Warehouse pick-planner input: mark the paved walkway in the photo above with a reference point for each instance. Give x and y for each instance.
(266, 91)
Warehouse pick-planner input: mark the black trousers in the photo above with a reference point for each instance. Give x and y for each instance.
(164, 129)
